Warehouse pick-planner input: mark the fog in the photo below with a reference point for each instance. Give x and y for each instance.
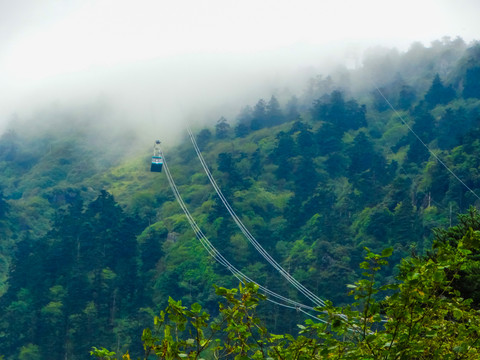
(156, 66)
(158, 97)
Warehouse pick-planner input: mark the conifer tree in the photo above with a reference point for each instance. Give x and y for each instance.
(438, 93)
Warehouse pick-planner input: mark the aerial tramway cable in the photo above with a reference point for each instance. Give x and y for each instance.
(284, 302)
(302, 289)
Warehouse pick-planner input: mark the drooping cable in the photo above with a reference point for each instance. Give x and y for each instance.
(302, 289)
(424, 144)
(221, 260)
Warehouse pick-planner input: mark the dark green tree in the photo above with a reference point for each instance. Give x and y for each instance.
(259, 115)
(281, 155)
(405, 224)
(273, 113)
(450, 127)
(438, 93)
(361, 154)
(379, 102)
(203, 137)
(241, 130)
(424, 128)
(306, 143)
(406, 97)
(256, 163)
(227, 164)
(329, 139)
(343, 114)
(222, 129)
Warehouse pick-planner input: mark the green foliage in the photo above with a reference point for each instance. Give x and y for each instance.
(422, 317)
(222, 128)
(102, 354)
(30, 352)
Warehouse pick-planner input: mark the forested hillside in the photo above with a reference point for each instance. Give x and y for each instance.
(93, 243)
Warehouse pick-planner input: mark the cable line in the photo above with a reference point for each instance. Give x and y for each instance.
(213, 252)
(426, 146)
(302, 289)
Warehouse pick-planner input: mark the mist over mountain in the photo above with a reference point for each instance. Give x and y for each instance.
(158, 63)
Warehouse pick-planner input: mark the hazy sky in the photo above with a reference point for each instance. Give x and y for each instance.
(141, 51)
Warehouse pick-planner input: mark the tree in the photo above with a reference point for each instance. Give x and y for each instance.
(343, 114)
(281, 155)
(274, 114)
(424, 128)
(227, 164)
(306, 143)
(368, 170)
(259, 115)
(404, 223)
(361, 154)
(451, 126)
(241, 130)
(305, 177)
(438, 93)
(379, 102)
(329, 108)
(222, 128)
(285, 148)
(407, 97)
(329, 139)
(203, 137)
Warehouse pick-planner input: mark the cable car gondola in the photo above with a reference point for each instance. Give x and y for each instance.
(157, 161)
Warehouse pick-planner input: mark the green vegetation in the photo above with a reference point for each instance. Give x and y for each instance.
(424, 315)
(93, 245)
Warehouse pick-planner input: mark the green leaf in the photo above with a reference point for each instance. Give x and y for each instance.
(387, 252)
(196, 308)
(439, 275)
(457, 314)
(364, 265)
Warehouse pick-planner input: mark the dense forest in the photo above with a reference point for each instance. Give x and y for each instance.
(93, 244)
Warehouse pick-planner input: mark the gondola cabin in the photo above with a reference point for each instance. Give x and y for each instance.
(157, 161)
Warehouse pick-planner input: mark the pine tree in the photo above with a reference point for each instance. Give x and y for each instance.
(438, 93)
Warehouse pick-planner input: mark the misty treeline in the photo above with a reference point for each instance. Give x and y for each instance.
(93, 244)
